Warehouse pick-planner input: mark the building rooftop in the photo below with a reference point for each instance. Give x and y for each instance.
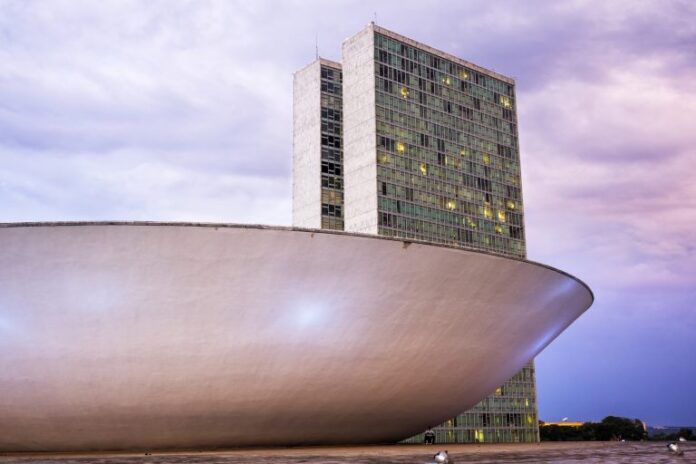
(440, 53)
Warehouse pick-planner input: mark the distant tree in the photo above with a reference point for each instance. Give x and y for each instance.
(550, 433)
(559, 433)
(610, 428)
(588, 431)
(658, 437)
(620, 428)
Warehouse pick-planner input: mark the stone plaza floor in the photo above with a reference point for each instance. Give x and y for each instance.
(559, 452)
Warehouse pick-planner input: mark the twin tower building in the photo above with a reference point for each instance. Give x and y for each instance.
(403, 140)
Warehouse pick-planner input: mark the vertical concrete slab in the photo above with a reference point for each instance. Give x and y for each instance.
(359, 133)
(306, 147)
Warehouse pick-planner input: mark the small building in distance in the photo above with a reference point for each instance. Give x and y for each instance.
(561, 424)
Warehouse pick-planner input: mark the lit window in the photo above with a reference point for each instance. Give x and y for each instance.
(463, 74)
(510, 204)
(383, 158)
(424, 169)
(498, 229)
(400, 147)
(501, 215)
(447, 80)
(486, 158)
(499, 391)
(464, 152)
(451, 205)
(404, 92)
(487, 212)
(505, 101)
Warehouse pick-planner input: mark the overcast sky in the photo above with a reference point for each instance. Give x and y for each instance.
(181, 110)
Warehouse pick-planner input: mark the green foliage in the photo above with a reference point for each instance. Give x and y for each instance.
(611, 428)
(558, 433)
(685, 433)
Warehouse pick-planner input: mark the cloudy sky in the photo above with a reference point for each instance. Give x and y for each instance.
(181, 110)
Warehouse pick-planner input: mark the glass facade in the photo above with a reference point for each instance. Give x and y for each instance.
(331, 149)
(448, 171)
(447, 153)
(509, 415)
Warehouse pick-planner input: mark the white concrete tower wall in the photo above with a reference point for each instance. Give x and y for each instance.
(306, 147)
(359, 133)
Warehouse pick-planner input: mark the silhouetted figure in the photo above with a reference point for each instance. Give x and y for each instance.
(429, 437)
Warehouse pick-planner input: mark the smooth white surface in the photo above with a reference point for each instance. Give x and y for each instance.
(306, 146)
(359, 133)
(182, 336)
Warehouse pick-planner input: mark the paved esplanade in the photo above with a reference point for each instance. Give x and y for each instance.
(547, 452)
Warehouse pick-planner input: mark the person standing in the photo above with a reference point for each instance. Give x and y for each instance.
(429, 436)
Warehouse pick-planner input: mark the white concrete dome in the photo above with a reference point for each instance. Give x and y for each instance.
(149, 335)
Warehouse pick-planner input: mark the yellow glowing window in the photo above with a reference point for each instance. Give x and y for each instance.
(464, 152)
(499, 391)
(487, 212)
(498, 229)
(400, 147)
(486, 158)
(447, 80)
(501, 216)
(505, 101)
(383, 158)
(424, 169)
(451, 204)
(463, 74)
(404, 92)
(470, 223)
(526, 402)
(510, 204)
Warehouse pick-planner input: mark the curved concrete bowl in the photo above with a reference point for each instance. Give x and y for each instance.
(145, 335)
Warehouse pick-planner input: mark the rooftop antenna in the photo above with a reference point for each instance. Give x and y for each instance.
(316, 45)
(374, 18)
